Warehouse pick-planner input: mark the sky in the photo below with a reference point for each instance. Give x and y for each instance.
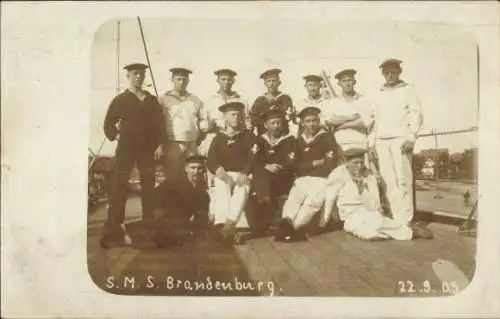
(440, 61)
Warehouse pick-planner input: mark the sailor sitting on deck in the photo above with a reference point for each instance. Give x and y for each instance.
(315, 159)
(181, 204)
(273, 172)
(354, 189)
(230, 160)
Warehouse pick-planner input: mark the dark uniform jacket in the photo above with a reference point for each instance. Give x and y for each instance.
(281, 152)
(263, 104)
(142, 122)
(321, 146)
(179, 198)
(233, 153)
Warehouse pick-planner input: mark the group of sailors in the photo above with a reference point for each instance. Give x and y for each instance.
(279, 161)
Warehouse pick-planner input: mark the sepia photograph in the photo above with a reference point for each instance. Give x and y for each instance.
(243, 157)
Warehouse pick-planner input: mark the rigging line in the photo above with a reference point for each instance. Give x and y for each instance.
(147, 55)
(96, 154)
(118, 58)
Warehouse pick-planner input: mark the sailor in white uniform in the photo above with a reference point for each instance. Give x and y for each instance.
(398, 118)
(185, 120)
(353, 196)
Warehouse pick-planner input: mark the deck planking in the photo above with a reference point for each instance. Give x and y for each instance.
(288, 279)
(331, 264)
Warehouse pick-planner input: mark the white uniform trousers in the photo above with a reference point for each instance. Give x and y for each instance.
(229, 199)
(305, 199)
(396, 171)
(367, 224)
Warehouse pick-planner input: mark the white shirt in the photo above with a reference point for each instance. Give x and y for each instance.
(182, 116)
(343, 107)
(343, 190)
(397, 112)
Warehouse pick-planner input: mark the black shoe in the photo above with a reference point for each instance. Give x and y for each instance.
(420, 230)
(284, 230)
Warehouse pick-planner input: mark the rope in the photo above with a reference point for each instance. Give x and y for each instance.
(147, 55)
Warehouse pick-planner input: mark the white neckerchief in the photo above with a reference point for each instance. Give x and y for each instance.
(309, 140)
(266, 137)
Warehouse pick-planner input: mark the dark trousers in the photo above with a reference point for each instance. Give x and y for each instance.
(267, 184)
(125, 159)
(275, 187)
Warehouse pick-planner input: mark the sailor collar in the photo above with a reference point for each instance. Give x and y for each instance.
(266, 137)
(271, 97)
(355, 97)
(399, 85)
(232, 94)
(315, 101)
(146, 93)
(176, 96)
(310, 140)
(231, 136)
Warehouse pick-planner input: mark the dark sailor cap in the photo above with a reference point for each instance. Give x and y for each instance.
(346, 72)
(194, 158)
(231, 106)
(354, 153)
(180, 71)
(270, 73)
(135, 66)
(310, 110)
(225, 72)
(273, 113)
(390, 62)
(313, 77)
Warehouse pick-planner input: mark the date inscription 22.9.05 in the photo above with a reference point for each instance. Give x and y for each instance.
(410, 287)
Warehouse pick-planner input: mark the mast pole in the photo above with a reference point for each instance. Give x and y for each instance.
(147, 55)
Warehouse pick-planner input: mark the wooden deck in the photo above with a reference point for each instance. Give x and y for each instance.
(331, 264)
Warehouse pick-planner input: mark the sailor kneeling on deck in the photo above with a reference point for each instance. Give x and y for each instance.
(353, 192)
(181, 208)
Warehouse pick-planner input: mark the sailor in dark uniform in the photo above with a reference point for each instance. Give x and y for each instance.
(273, 172)
(273, 98)
(181, 204)
(230, 160)
(135, 119)
(315, 159)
